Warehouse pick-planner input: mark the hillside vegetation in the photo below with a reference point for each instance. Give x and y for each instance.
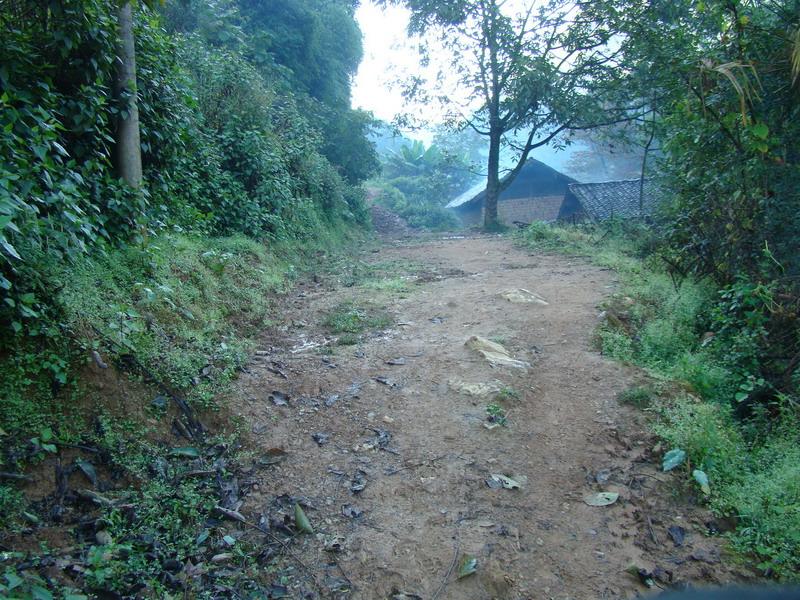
(252, 162)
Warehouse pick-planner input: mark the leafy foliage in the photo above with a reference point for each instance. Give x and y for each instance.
(527, 72)
(168, 284)
(416, 182)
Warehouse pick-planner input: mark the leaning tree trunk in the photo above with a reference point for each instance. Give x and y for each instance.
(127, 151)
(490, 219)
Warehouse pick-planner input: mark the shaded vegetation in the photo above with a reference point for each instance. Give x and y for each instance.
(252, 162)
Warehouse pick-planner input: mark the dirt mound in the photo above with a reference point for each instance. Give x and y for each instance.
(387, 222)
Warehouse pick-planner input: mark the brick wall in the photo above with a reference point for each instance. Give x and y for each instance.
(527, 210)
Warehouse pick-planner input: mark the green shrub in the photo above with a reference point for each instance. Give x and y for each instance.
(420, 215)
(639, 396)
(714, 341)
(181, 306)
(767, 505)
(11, 505)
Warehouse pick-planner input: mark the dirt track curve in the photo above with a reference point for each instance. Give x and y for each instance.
(416, 441)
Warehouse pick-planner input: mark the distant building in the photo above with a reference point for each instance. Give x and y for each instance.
(538, 193)
(615, 199)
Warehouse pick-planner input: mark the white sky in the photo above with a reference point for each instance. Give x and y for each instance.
(389, 56)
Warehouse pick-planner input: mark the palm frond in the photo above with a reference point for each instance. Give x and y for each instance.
(794, 58)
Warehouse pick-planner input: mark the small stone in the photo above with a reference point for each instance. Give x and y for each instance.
(103, 538)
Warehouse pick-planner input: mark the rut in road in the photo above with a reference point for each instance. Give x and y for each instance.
(416, 441)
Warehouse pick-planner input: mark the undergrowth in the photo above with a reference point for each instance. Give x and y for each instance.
(176, 316)
(681, 333)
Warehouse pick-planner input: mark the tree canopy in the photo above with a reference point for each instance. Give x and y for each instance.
(528, 72)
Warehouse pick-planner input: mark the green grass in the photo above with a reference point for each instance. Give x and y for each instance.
(496, 414)
(350, 320)
(660, 327)
(397, 285)
(639, 396)
(507, 394)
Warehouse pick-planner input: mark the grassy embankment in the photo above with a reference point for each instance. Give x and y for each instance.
(129, 338)
(672, 330)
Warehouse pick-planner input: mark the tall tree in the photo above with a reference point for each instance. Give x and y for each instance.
(127, 152)
(529, 73)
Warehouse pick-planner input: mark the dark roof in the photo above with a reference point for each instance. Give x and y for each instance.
(609, 199)
(534, 179)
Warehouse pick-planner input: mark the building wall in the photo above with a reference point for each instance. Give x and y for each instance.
(526, 210)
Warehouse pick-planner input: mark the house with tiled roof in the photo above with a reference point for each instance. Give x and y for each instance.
(625, 199)
(537, 193)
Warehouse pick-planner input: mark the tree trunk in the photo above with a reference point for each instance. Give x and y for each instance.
(490, 220)
(644, 165)
(127, 151)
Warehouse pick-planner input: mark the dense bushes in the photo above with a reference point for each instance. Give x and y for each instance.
(422, 214)
(417, 182)
(58, 196)
(225, 149)
(168, 283)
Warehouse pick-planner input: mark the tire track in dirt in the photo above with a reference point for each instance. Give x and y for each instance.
(426, 502)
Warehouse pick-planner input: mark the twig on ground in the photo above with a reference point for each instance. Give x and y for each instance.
(652, 530)
(14, 476)
(449, 570)
(286, 549)
(416, 465)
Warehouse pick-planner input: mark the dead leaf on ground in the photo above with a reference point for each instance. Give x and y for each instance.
(601, 498)
(678, 534)
(272, 457)
(495, 353)
(475, 389)
(301, 520)
(602, 476)
(321, 437)
(359, 482)
(498, 480)
(401, 595)
(467, 566)
(353, 512)
(523, 296)
(338, 585)
(279, 398)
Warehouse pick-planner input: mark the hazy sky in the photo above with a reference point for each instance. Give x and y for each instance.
(388, 56)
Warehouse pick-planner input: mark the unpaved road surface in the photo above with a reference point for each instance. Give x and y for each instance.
(417, 442)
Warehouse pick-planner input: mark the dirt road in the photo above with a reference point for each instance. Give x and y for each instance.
(391, 461)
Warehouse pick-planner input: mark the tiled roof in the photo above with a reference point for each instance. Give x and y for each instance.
(609, 199)
(534, 179)
(467, 196)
